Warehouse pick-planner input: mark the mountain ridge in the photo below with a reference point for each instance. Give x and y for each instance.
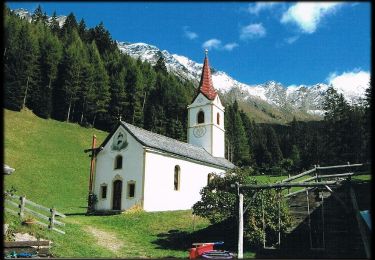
(307, 98)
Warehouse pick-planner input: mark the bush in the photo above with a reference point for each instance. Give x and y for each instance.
(219, 202)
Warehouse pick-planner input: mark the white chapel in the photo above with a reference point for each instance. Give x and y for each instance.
(158, 173)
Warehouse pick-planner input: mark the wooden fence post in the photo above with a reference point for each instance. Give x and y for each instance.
(52, 218)
(22, 206)
(240, 228)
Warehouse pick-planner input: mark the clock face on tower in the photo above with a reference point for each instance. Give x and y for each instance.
(199, 131)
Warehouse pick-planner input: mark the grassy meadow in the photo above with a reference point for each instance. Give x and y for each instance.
(52, 170)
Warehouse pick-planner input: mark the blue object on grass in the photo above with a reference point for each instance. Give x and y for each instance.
(25, 255)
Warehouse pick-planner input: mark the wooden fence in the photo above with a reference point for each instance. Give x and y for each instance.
(20, 206)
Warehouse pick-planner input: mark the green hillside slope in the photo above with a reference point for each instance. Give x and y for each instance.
(52, 170)
(51, 167)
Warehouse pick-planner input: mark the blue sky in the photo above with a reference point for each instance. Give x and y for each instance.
(254, 42)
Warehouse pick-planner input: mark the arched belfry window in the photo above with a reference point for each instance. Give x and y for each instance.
(177, 172)
(200, 118)
(118, 162)
(218, 118)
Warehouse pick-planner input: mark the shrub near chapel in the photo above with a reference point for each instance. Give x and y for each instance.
(219, 202)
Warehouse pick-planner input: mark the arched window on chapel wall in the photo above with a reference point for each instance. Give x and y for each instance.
(176, 181)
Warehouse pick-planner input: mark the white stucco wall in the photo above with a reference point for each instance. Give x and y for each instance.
(159, 182)
(218, 132)
(214, 138)
(132, 170)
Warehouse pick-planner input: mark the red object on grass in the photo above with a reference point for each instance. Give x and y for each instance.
(197, 251)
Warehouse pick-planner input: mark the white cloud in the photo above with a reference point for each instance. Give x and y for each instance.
(308, 15)
(291, 39)
(212, 44)
(189, 34)
(352, 83)
(230, 46)
(251, 31)
(256, 8)
(216, 44)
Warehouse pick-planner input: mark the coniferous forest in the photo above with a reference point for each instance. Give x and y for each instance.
(77, 74)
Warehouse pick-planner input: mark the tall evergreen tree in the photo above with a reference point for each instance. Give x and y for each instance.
(54, 24)
(102, 39)
(20, 63)
(160, 65)
(82, 30)
(70, 77)
(134, 86)
(50, 52)
(39, 16)
(273, 146)
(69, 26)
(100, 84)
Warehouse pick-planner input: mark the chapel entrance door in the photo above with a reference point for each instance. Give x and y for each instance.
(117, 190)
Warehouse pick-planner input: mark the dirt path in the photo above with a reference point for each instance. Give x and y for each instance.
(105, 239)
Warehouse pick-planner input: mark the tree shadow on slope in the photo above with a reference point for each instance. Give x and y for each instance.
(341, 234)
(181, 240)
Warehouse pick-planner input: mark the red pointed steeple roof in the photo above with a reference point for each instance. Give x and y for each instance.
(205, 86)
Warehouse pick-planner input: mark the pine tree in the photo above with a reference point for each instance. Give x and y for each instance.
(82, 30)
(117, 74)
(54, 24)
(69, 26)
(295, 157)
(50, 52)
(39, 16)
(273, 146)
(100, 84)
(102, 39)
(238, 146)
(20, 65)
(250, 135)
(134, 87)
(70, 77)
(160, 65)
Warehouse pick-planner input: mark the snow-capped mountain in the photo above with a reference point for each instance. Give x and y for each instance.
(306, 98)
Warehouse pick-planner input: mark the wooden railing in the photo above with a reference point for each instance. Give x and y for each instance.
(317, 174)
(20, 206)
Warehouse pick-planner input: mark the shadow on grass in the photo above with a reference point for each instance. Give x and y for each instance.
(75, 214)
(182, 240)
(342, 237)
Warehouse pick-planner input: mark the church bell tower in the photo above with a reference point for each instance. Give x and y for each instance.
(206, 116)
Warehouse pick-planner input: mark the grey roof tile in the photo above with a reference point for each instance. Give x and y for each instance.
(163, 143)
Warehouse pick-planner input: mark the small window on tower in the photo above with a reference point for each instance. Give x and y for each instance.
(104, 191)
(218, 118)
(200, 117)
